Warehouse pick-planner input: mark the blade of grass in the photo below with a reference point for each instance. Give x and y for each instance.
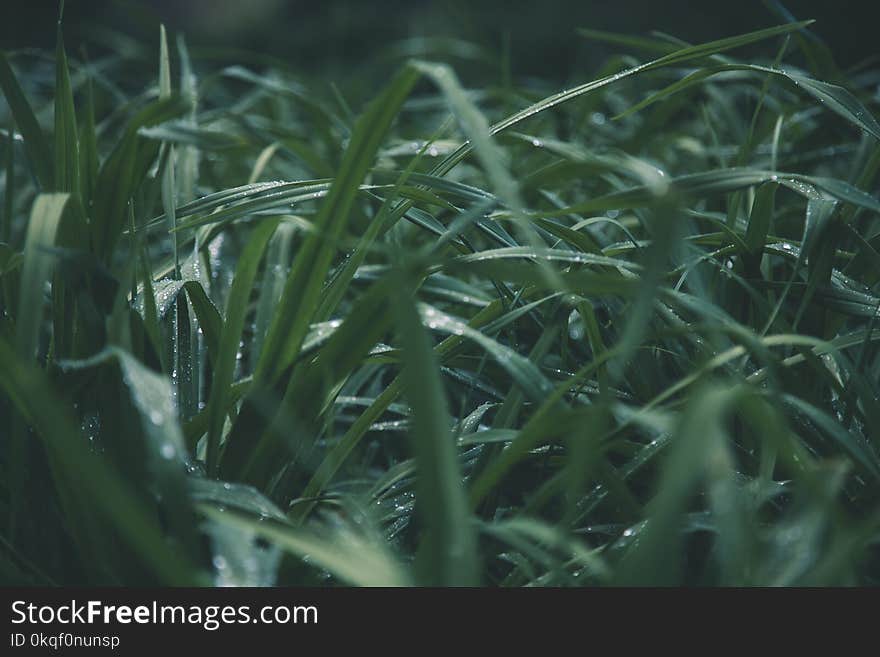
(230, 336)
(447, 552)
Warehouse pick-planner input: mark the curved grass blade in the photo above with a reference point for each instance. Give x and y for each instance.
(837, 99)
(348, 556)
(682, 55)
(45, 219)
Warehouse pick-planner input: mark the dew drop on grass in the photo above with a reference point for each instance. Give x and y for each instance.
(91, 426)
(241, 558)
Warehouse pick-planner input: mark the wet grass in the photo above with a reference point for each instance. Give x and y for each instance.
(255, 331)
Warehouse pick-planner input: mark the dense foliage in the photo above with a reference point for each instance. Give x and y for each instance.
(253, 332)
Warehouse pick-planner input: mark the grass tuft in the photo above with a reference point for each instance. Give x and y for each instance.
(260, 329)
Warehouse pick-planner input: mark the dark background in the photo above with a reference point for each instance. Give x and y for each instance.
(337, 34)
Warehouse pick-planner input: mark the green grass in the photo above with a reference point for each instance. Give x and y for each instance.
(256, 329)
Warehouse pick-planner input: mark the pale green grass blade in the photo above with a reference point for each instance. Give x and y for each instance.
(45, 218)
(349, 557)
